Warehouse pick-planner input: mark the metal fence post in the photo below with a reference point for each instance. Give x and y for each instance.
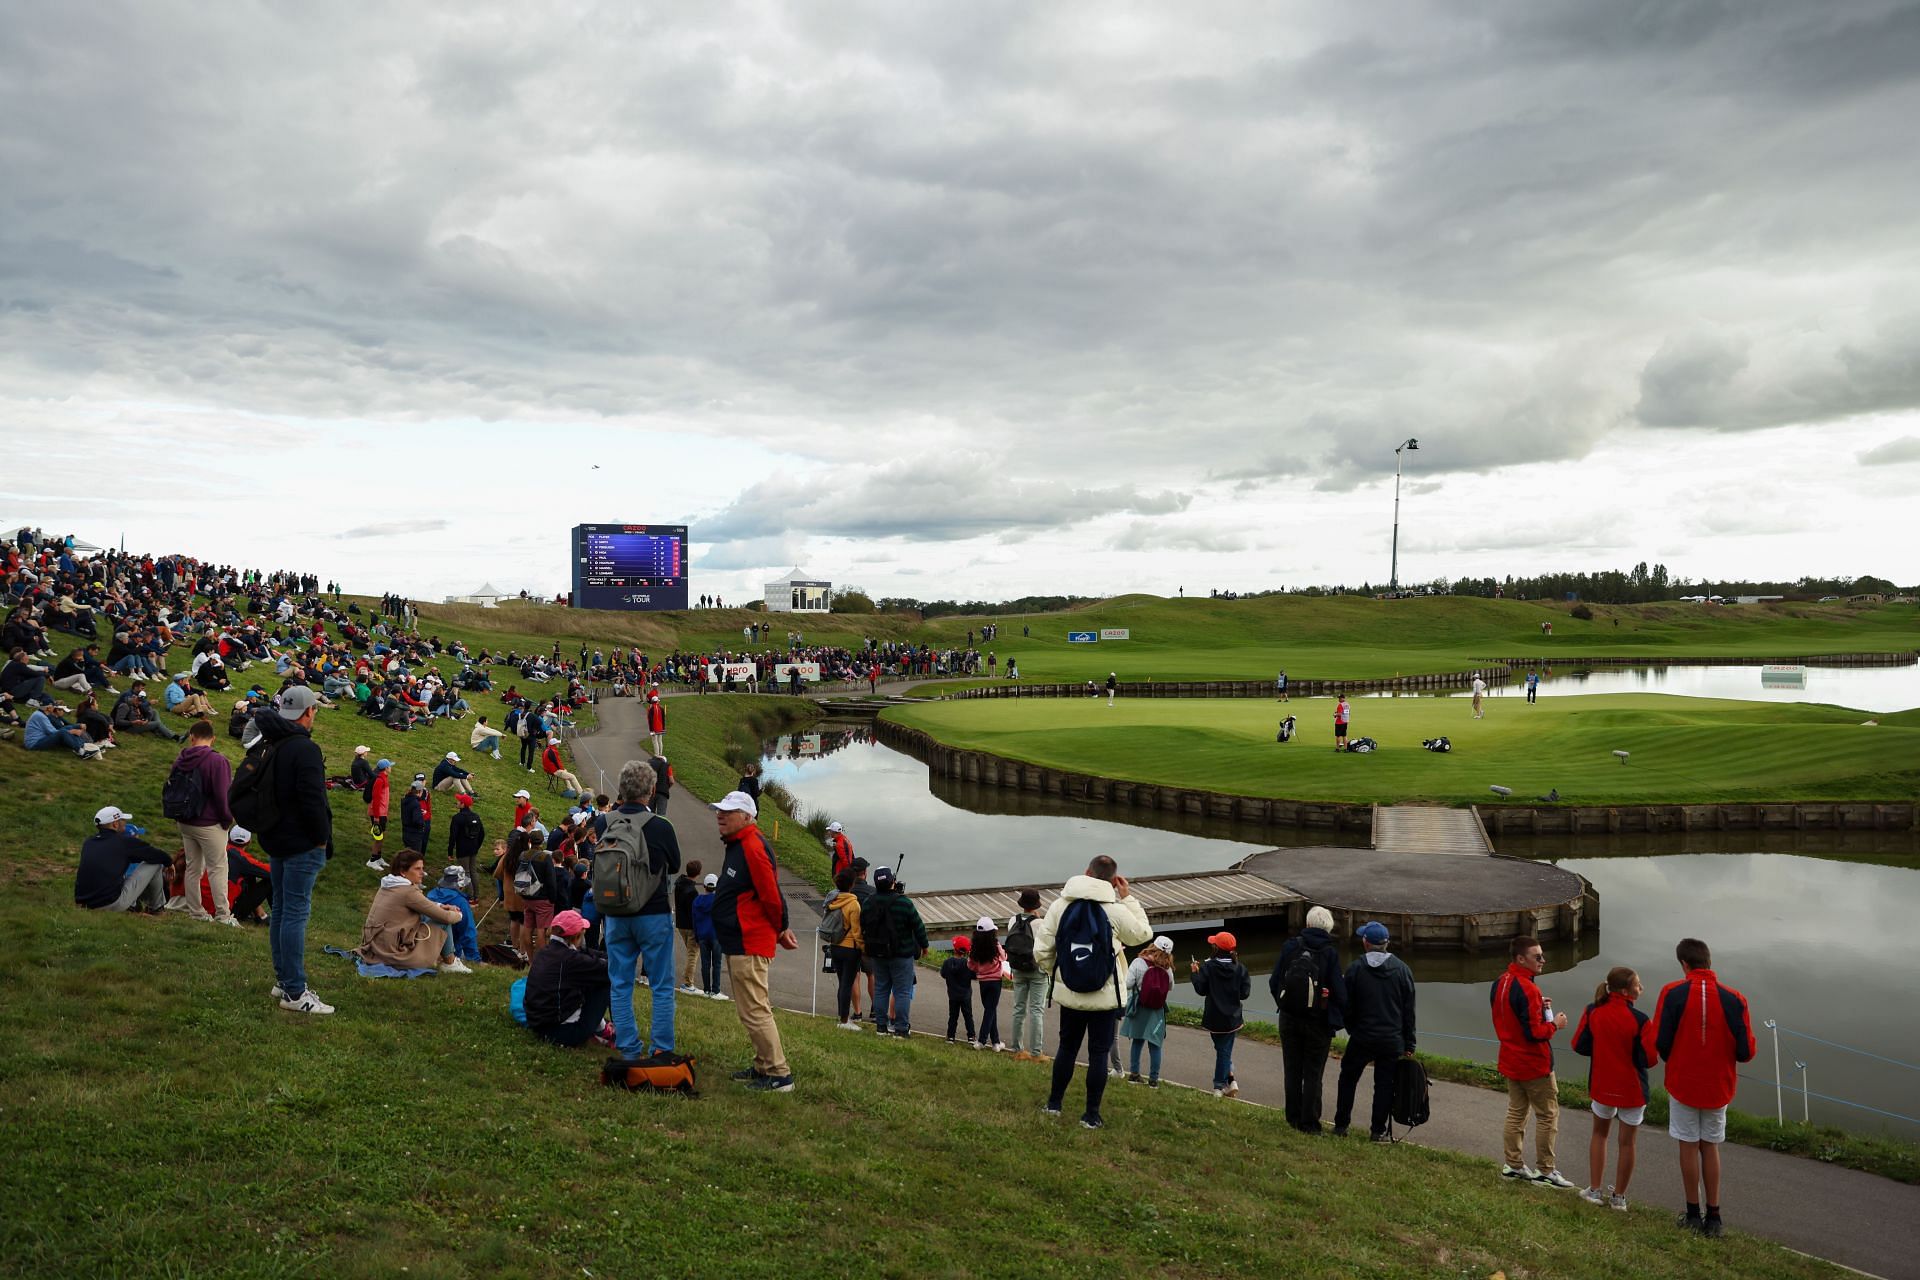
(1779, 1096)
(815, 1009)
(1806, 1099)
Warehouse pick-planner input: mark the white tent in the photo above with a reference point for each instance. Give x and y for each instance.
(486, 595)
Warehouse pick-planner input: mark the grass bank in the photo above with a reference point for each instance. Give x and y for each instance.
(165, 1119)
(1681, 749)
(1886, 1157)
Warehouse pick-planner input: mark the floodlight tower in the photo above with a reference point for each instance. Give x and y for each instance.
(1393, 574)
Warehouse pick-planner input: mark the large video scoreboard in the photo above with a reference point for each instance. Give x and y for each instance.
(629, 566)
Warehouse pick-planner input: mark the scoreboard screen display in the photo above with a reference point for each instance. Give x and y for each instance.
(630, 566)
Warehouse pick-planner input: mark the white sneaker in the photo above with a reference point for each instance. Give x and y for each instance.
(721, 995)
(277, 992)
(1555, 1179)
(1517, 1173)
(376, 864)
(850, 1026)
(1618, 1202)
(178, 902)
(689, 990)
(309, 1002)
(90, 752)
(999, 1048)
(1593, 1195)
(455, 965)
(227, 920)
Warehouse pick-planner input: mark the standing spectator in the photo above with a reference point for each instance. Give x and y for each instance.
(1224, 984)
(1479, 692)
(840, 847)
(1341, 713)
(533, 735)
(1620, 1040)
(1149, 980)
(959, 979)
(847, 953)
(750, 920)
(642, 940)
(987, 961)
(685, 890)
(662, 784)
(1704, 1034)
(1525, 1022)
(1088, 1017)
(298, 843)
(750, 780)
(703, 933)
(1311, 994)
(465, 834)
(379, 804)
(1029, 981)
(118, 872)
(894, 936)
(657, 724)
(416, 814)
(200, 778)
(1380, 1028)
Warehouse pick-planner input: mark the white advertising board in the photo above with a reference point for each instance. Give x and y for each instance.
(807, 670)
(719, 671)
(1113, 633)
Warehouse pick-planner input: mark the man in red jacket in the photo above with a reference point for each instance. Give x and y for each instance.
(750, 920)
(840, 846)
(657, 724)
(1704, 1034)
(1525, 1023)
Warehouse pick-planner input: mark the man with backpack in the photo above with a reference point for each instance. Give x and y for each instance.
(1081, 943)
(633, 868)
(1311, 994)
(894, 937)
(1029, 981)
(280, 792)
(195, 797)
(1380, 1028)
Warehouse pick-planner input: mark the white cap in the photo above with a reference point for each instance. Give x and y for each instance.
(1163, 943)
(834, 826)
(451, 756)
(361, 750)
(522, 794)
(985, 922)
(711, 880)
(240, 835)
(738, 802)
(109, 814)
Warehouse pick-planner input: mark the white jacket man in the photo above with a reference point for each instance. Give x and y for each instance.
(1089, 1015)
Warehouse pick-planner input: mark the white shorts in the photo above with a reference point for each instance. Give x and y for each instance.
(1695, 1124)
(1628, 1115)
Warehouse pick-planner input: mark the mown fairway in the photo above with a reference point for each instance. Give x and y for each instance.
(1683, 749)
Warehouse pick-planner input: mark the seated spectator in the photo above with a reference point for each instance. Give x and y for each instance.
(485, 738)
(118, 872)
(47, 731)
(404, 928)
(94, 721)
(449, 776)
(10, 722)
(568, 987)
(456, 890)
(71, 671)
(249, 878)
(132, 713)
(551, 762)
(25, 680)
(210, 673)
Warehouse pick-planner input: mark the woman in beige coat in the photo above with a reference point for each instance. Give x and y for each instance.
(401, 929)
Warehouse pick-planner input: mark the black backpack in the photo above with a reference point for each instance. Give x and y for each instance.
(254, 796)
(1083, 948)
(1300, 985)
(1019, 945)
(182, 796)
(1411, 1096)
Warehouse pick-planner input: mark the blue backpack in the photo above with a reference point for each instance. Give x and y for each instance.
(517, 1001)
(1083, 948)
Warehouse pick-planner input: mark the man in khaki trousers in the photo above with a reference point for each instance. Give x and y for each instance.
(204, 835)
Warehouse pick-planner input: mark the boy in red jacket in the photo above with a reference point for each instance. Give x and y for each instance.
(1704, 1034)
(1525, 1023)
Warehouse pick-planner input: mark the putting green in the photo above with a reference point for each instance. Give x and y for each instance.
(1691, 750)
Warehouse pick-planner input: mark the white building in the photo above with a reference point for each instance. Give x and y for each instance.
(487, 596)
(797, 593)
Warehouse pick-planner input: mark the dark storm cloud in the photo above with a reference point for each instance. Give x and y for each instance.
(1254, 242)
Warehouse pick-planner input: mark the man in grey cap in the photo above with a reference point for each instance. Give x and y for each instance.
(298, 842)
(1380, 1031)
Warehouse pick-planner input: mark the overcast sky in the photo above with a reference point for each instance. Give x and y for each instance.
(967, 300)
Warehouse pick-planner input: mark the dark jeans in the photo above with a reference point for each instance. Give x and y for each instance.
(846, 971)
(293, 878)
(1223, 1057)
(1303, 1049)
(990, 1012)
(709, 965)
(1096, 1029)
(568, 1034)
(960, 1005)
(528, 750)
(1385, 1057)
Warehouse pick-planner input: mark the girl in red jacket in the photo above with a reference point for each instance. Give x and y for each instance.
(1620, 1041)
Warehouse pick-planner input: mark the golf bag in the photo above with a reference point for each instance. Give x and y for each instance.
(1437, 744)
(1286, 731)
(1363, 745)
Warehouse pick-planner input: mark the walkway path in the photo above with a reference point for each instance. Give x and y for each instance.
(1856, 1219)
(1427, 828)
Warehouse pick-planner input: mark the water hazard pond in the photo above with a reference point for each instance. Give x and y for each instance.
(1810, 926)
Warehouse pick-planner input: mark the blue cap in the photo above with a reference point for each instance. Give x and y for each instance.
(1372, 931)
(384, 764)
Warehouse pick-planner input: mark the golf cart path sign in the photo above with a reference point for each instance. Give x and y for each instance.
(1113, 633)
(1083, 637)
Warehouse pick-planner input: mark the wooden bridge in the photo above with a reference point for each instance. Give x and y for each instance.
(1169, 900)
(1417, 828)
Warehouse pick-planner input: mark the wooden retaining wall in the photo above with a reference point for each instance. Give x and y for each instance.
(1236, 688)
(1906, 659)
(997, 771)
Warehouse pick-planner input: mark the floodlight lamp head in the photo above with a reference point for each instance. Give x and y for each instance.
(1412, 444)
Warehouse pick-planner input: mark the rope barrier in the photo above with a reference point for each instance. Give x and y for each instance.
(1861, 1106)
(1850, 1049)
